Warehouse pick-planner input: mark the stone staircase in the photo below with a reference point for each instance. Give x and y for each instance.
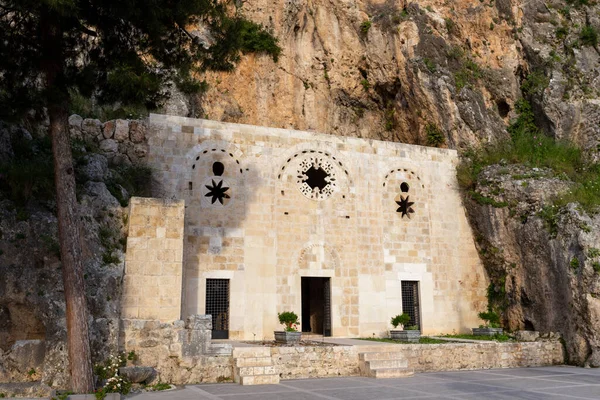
(384, 365)
(253, 366)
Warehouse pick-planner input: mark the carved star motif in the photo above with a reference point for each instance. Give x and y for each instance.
(405, 206)
(217, 191)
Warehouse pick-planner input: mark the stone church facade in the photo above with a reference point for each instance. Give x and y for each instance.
(248, 221)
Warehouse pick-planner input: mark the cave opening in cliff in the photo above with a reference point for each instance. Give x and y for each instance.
(503, 108)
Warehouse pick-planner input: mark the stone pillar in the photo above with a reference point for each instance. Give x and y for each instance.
(153, 261)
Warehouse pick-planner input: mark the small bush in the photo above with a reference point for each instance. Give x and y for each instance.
(365, 26)
(490, 318)
(535, 83)
(365, 84)
(574, 263)
(290, 320)
(589, 36)
(596, 266)
(401, 319)
(435, 136)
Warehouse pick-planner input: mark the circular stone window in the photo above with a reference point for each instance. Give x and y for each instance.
(316, 178)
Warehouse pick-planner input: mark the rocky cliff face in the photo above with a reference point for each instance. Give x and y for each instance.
(32, 305)
(544, 263)
(395, 70)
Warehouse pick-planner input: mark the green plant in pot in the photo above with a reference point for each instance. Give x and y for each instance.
(290, 334)
(491, 326)
(409, 333)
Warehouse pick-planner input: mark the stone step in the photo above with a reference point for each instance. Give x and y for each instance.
(391, 355)
(392, 373)
(253, 361)
(248, 352)
(255, 371)
(378, 364)
(260, 380)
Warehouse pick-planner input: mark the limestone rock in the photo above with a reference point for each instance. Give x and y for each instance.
(75, 122)
(108, 129)
(95, 167)
(121, 130)
(109, 146)
(545, 265)
(527, 336)
(92, 128)
(137, 131)
(137, 374)
(28, 355)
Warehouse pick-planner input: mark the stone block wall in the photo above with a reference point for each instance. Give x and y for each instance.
(153, 261)
(251, 218)
(180, 351)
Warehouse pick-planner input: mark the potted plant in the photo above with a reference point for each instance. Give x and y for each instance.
(290, 334)
(408, 333)
(492, 324)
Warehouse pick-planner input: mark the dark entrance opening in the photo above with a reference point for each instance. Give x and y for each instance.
(410, 302)
(217, 305)
(316, 306)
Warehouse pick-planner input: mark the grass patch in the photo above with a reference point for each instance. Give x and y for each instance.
(422, 340)
(497, 338)
(589, 36)
(435, 136)
(160, 386)
(529, 146)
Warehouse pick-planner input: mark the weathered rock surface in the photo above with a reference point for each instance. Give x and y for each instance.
(544, 266)
(386, 69)
(32, 309)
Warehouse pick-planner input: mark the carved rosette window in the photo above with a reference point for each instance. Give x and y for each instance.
(316, 178)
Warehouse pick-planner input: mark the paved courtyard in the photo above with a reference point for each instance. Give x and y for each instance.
(520, 383)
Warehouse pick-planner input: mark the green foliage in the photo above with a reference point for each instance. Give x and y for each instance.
(549, 214)
(365, 84)
(136, 179)
(401, 319)
(434, 135)
(596, 266)
(468, 74)
(422, 340)
(593, 252)
(535, 83)
(561, 32)
(131, 356)
(118, 52)
(160, 386)
(289, 319)
(498, 337)
(429, 64)
(108, 374)
(491, 318)
(389, 115)
(574, 263)
(29, 175)
(451, 26)
(486, 201)
(365, 26)
(31, 372)
(589, 36)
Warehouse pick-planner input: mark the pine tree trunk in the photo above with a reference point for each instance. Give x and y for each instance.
(69, 234)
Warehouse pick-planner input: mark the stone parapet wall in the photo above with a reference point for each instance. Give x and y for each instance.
(473, 356)
(315, 362)
(182, 353)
